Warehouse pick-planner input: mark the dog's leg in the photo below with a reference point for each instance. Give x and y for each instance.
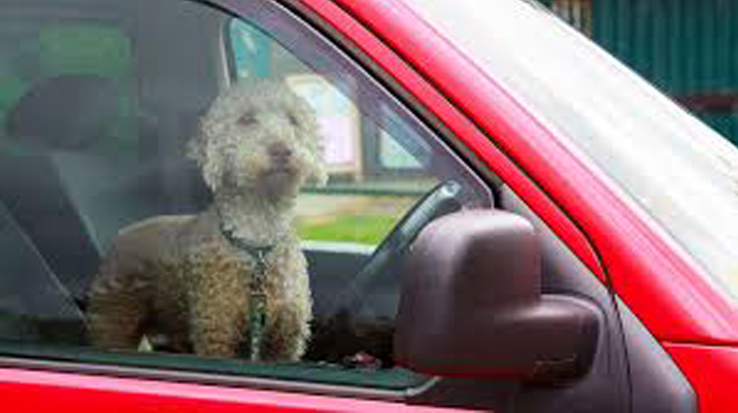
(287, 335)
(217, 329)
(218, 319)
(118, 307)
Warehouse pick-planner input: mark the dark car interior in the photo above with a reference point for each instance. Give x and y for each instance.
(74, 190)
(69, 187)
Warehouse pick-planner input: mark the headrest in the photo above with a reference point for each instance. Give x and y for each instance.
(65, 112)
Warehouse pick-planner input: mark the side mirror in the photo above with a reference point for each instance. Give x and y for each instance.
(471, 305)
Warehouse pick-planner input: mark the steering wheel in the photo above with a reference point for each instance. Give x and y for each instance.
(441, 200)
(345, 337)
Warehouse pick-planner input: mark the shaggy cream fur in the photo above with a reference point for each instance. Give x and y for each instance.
(179, 280)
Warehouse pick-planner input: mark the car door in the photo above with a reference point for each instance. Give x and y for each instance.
(141, 74)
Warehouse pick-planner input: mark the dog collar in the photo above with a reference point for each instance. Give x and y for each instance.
(257, 252)
(257, 286)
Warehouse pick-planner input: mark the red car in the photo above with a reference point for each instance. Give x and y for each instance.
(514, 221)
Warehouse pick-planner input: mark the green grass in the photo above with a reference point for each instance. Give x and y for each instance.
(362, 229)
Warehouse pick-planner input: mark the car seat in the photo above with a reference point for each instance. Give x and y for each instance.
(68, 197)
(34, 306)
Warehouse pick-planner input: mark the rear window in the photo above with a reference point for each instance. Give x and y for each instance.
(32, 50)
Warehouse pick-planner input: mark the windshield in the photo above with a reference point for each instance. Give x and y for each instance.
(681, 171)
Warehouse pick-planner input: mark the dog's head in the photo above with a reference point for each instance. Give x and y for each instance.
(259, 135)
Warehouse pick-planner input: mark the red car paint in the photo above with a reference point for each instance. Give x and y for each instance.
(33, 391)
(711, 370)
(663, 286)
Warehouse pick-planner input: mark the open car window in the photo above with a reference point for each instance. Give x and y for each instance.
(224, 193)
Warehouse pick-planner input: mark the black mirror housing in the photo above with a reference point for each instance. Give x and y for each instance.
(471, 305)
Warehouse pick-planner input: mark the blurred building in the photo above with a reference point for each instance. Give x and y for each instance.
(687, 48)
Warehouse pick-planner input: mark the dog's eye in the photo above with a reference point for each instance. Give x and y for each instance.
(247, 119)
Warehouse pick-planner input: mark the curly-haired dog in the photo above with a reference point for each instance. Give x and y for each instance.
(233, 278)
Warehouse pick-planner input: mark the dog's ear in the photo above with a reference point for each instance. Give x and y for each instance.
(318, 173)
(201, 149)
(307, 120)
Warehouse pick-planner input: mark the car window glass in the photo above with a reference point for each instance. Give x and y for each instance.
(33, 51)
(234, 198)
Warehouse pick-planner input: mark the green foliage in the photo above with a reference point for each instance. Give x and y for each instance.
(362, 229)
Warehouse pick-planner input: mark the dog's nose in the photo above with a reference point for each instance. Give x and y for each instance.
(280, 151)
